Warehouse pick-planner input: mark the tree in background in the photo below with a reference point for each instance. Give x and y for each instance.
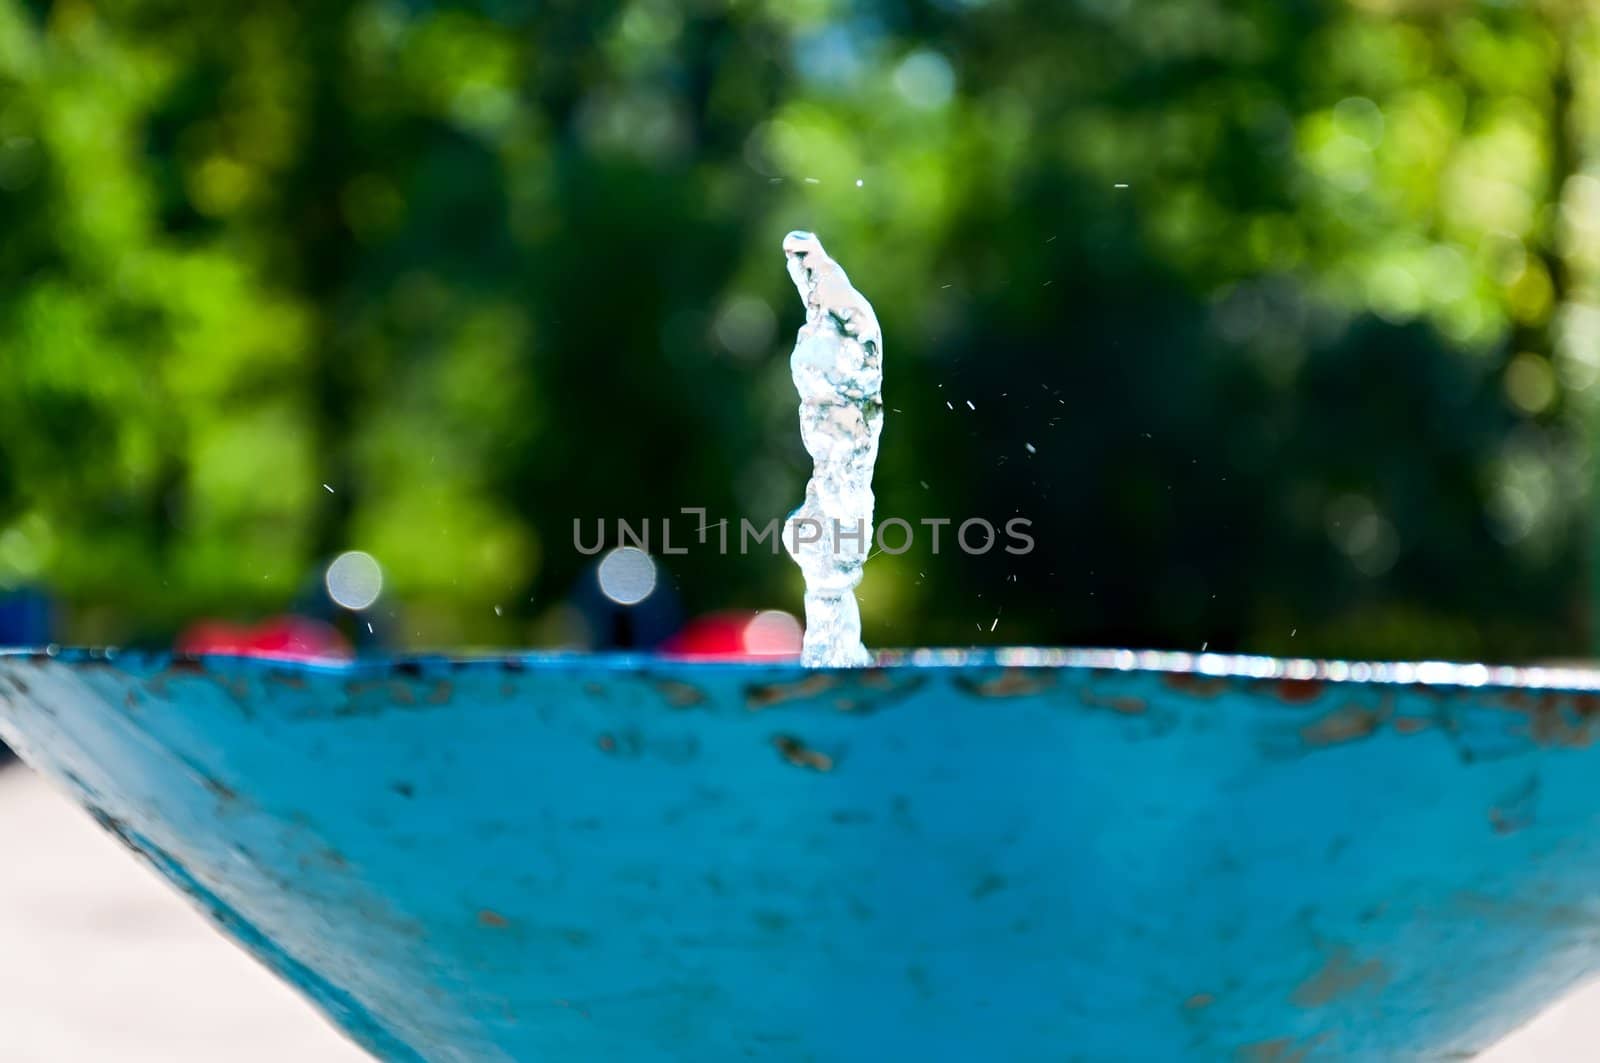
(1296, 306)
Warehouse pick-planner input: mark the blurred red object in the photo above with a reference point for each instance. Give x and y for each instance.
(737, 636)
(293, 638)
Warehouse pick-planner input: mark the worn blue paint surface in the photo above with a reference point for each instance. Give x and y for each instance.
(1028, 856)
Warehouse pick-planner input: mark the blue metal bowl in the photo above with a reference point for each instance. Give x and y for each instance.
(1029, 855)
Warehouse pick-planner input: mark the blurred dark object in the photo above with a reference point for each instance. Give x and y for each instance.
(626, 603)
(294, 638)
(26, 617)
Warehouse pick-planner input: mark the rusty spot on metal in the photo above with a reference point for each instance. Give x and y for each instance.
(1202, 686)
(1349, 724)
(1123, 705)
(1198, 1001)
(1410, 725)
(292, 680)
(186, 664)
(876, 678)
(373, 697)
(799, 754)
(766, 695)
(1515, 809)
(1277, 1050)
(1296, 691)
(492, 919)
(990, 883)
(875, 688)
(1549, 723)
(322, 858)
(1563, 917)
(1503, 822)
(855, 691)
(1011, 683)
(680, 695)
(606, 743)
(1339, 975)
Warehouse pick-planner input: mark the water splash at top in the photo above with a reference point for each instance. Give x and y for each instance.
(838, 370)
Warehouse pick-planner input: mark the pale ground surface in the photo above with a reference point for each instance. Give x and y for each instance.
(101, 962)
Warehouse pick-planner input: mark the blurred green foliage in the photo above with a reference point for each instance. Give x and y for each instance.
(1297, 304)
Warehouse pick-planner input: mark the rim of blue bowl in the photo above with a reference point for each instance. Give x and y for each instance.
(1435, 673)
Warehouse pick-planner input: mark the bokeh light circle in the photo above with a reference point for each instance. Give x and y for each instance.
(627, 575)
(354, 579)
(773, 632)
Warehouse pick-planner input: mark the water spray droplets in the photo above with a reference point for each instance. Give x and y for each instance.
(838, 371)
